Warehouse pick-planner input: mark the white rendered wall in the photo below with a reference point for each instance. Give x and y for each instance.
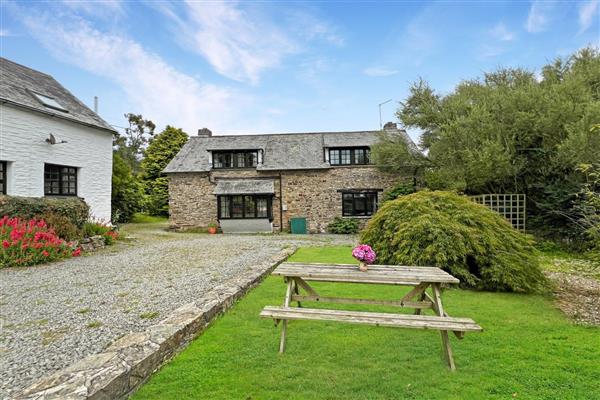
(22, 144)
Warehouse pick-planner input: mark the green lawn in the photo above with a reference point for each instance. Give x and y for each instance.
(528, 350)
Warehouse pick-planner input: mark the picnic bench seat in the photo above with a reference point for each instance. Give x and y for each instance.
(298, 277)
(372, 318)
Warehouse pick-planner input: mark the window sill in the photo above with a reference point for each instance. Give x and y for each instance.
(357, 216)
(351, 165)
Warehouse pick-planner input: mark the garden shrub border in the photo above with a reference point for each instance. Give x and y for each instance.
(73, 208)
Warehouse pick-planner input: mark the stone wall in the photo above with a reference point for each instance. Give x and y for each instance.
(191, 202)
(314, 194)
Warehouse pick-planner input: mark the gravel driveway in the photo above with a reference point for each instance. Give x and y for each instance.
(53, 315)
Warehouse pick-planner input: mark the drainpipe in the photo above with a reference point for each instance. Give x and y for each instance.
(280, 203)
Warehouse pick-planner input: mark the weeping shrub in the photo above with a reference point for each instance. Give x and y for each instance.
(471, 242)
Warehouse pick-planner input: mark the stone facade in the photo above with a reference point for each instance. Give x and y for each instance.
(314, 194)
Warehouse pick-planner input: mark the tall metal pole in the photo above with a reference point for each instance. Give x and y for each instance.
(380, 104)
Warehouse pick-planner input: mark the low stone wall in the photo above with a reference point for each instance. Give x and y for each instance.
(125, 365)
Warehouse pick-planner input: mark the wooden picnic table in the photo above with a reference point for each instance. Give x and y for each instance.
(298, 275)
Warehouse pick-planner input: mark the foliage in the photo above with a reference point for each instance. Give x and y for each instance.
(511, 132)
(161, 150)
(392, 153)
(73, 208)
(127, 193)
(357, 362)
(131, 145)
(94, 228)
(399, 189)
(62, 226)
(449, 231)
(343, 226)
(30, 242)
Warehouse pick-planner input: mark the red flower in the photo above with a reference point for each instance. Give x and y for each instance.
(77, 252)
(5, 244)
(45, 253)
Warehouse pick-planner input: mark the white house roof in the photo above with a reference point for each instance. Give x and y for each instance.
(24, 87)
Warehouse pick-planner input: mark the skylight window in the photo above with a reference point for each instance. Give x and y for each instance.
(49, 102)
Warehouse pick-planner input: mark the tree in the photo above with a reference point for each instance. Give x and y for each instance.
(127, 192)
(509, 132)
(161, 150)
(131, 145)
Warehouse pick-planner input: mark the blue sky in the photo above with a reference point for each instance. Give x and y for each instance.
(268, 66)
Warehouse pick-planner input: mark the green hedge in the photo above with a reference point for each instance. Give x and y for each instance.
(343, 226)
(449, 231)
(73, 208)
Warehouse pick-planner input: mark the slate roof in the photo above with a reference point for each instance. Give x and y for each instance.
(245, 186)
(17, 84)
(284, 151)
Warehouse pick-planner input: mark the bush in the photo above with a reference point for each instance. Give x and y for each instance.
(99, 229)
(400, 189)
(30, 242)
(343, 226)
(73, 208)
(62, 226)
(449, 231)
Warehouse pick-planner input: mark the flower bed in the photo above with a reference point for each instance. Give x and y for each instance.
(31, 242)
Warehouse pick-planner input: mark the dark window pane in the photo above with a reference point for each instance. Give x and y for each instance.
(359, 156)
(262, 210)
(224, 211)
(334, 157)
(371, 203)
(237, 207)
(60, 180)
(240, 161)
(347, 204)
(360, 204)
(249, 207)
(251, 159)
(345, 156)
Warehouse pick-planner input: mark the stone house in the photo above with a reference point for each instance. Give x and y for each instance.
(51, 144)
(257, 183)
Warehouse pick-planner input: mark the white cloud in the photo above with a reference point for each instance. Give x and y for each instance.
(100, 8)
(310, 27)
(244, 40)
(540, 15)
(501, 32)
(240, 44)
(4, 33)
(587, 12)
(380, 71)
(155, 88)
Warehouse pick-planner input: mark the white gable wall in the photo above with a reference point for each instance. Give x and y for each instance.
(22, 144)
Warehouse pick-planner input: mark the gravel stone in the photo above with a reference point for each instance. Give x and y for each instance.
(54, 315)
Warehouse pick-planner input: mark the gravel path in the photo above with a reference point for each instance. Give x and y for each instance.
(53, 315)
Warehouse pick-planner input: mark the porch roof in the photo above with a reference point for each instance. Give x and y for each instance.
(244, 186)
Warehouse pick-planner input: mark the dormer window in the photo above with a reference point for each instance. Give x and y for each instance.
(49, 102)
(235, 159)
(349, 156)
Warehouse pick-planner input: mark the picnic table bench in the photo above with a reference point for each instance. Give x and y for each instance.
(297, 276)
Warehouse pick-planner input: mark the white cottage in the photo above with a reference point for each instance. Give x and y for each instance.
(51, 144)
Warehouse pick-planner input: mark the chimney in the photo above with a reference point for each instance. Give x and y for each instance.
(96, 104)
(390, 125)
(204, 132)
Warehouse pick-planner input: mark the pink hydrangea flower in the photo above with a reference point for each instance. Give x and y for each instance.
(364, 253)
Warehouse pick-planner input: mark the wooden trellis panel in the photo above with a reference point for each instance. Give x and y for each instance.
(510, 206)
